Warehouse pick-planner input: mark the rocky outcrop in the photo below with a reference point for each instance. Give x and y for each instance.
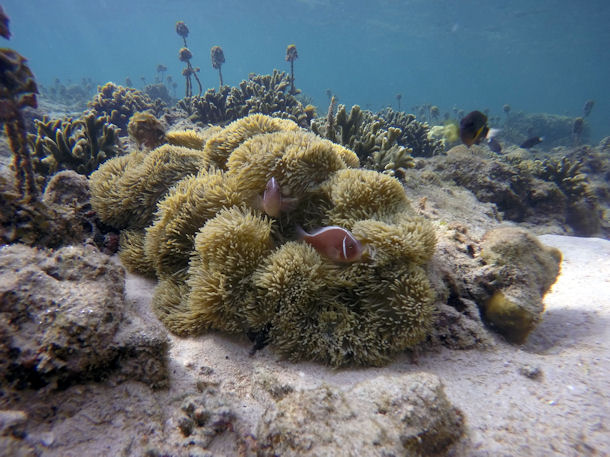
(393, 415)
(63, 319)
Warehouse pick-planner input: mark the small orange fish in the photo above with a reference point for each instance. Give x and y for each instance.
(273, 202)
(335, 243)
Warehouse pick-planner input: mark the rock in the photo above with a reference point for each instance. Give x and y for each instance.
(60, 316)
(458, 321)
(11, 447)
(206, 415)
(518, 271)
(394, 415)
(67, 188)
(12, 423)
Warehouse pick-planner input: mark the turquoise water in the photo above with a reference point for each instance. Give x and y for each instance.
(538, 56)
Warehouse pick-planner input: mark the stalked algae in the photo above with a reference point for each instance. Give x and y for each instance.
(223, 264)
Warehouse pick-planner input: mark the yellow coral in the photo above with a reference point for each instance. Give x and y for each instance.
(228, 249)
(125, 190)
(410, 239)
(295, 274)
(132, 255)
(186, 138)
(299, 161)
(356, 194)
(187, 207)
(169, 303)
(220, 146)
(224, 265)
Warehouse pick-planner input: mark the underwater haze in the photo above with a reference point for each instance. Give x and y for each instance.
(538, 56)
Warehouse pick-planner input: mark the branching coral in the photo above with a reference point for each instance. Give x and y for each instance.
(566, 174)
(73, 144)
(367, 135)
(265, 94)
(414, 134)
(120, 103)
(384, 141)
(225, 265)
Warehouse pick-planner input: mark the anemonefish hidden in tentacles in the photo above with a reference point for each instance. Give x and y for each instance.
(335, 243)
(273, 202)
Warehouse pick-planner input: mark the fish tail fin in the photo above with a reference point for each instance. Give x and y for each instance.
(256, 202)
(289, 204)
(369, 251)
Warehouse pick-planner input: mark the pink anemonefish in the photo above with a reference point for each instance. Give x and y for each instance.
(273, 202)
(335, 243)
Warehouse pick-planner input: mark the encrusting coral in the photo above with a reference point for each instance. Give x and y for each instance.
(522, 271)
(224, 264)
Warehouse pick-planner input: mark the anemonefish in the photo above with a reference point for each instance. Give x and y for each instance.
(335, 243)
(273, 202)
